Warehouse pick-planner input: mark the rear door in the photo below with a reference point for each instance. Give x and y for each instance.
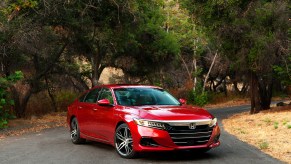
(85, 110)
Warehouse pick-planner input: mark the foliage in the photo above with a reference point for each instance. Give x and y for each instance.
(198, 97)
(60, 45)
(6, 102)
(252, 34)
(283, 71)
(71, 42)
(65, 98)
(264, 145)
(276, 125)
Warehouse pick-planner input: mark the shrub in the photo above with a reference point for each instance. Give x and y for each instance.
(64, 98)
(276, 125)
(264, 145)
(6, 103)
(198, 98)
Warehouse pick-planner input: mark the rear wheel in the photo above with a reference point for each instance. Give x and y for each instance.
(123, 142)
(75, 132)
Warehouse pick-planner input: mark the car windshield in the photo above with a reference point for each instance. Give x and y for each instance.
(144, 96)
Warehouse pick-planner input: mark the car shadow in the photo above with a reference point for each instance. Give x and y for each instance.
(167, 156)
(176, 156)
(99, 145)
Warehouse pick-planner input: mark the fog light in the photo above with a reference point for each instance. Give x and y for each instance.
(148, 142)
(216, 138)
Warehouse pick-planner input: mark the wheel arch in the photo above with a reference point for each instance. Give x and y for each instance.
(71, 118)
(119, 123)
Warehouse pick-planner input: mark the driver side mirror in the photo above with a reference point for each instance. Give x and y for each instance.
(104, 102)
(182, 101)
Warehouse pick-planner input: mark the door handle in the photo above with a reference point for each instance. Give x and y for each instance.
(95, 109)
(80, 107)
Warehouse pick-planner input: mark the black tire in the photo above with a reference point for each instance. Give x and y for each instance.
(75, 132)
(123, 142)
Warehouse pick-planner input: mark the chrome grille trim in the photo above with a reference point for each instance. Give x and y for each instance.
(195, 132)
(183, 136)
(190, 137)
(183, 122)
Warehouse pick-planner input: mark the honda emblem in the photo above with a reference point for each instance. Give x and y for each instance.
(192, 126)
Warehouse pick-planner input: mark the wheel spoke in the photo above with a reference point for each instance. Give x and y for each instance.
(119, 136)
(127, 149)
(125, 133)
(129, 141)
(74, 130)
(120, 146)
(73, 133)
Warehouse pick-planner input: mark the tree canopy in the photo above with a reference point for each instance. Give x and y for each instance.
(190, 45)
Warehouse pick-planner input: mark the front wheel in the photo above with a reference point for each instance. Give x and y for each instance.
(75, 132)
(123, 142)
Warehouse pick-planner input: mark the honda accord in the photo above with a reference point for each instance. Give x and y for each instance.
(138, 118)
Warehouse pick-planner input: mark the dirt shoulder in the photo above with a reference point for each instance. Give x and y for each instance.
(35, 124)
(269, 131)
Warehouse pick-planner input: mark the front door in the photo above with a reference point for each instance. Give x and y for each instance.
(103, 117)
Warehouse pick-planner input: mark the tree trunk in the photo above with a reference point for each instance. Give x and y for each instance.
(20, 101)
(266, 88)
(224, 87)
(207, 75)
(51, 95)
(255, 95)
(94, 62)
(97, 66)
(195, 70)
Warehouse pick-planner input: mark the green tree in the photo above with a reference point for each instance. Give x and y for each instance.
(6, 101)
(54, 38)
(251, 34)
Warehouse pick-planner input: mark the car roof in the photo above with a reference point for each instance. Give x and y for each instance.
(115, 86)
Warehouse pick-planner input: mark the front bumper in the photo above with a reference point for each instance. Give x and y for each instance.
(163, 141)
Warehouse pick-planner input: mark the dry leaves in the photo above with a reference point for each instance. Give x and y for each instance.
(35, 124)
(269, 131)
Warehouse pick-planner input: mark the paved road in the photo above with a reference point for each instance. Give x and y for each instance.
(54, 146)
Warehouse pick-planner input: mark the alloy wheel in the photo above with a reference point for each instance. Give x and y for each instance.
(123, 141)
(74, 130)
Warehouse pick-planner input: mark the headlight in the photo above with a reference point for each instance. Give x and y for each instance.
(213, 122)
(151, 124)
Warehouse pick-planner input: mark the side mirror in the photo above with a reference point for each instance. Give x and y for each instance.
(182, 101)
(104, 102)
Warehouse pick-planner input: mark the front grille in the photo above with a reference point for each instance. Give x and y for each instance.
(183, 136)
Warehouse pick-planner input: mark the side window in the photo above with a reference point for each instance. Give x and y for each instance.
(92, 96)
(106, 94)
(81, 98)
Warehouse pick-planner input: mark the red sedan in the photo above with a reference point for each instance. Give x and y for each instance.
(135, 118)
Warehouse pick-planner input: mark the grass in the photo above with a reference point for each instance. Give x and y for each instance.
(276, 125)
(268, 130)
(264, 145)
(267, 121)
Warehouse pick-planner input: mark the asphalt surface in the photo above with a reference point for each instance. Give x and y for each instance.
(54, 146)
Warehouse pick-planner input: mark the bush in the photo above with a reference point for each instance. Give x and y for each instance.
(6, 103)
(64, 98)
(198, 97)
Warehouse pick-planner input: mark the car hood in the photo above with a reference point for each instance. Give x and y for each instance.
(184, 112)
